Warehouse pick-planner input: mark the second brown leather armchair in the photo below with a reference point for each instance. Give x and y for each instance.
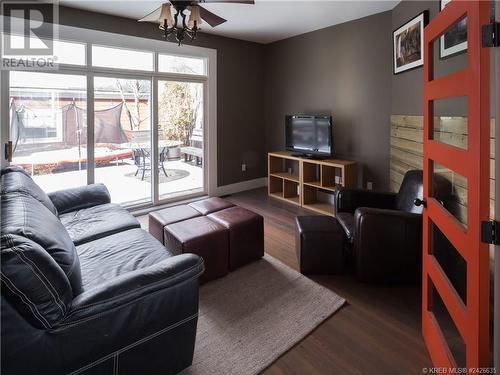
(385, 229)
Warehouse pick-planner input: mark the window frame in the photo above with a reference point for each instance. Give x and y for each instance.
(205, 63)
(91, 65)
(157, 47)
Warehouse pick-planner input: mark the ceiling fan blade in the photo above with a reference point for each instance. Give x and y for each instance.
(229, 1)
(154, 16)
(211, 18)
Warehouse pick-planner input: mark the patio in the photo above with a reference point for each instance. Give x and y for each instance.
(124, 187)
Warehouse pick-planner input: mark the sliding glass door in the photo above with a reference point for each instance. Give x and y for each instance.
(126, 116)
(47, 118)
(122, 138)
(180, 138)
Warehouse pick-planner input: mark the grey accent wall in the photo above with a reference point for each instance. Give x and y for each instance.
(345, 71)
(240, 101)
(407, 87)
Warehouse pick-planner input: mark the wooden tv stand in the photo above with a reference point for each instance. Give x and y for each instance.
(307, 182)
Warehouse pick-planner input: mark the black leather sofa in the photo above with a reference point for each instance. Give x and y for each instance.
(85, 290)
(384, 230)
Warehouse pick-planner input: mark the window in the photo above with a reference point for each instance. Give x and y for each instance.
(180, 136)
(181, 64)
(54, 133)
(71, 53)
(108, 57)
(48, 127)
(38, 101)
(122, 138)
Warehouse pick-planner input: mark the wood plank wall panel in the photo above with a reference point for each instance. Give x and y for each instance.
(407, 153)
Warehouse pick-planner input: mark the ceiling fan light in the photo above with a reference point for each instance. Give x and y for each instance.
(194, 16)
(166, 14)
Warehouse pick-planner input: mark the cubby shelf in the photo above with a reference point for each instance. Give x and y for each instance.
(286, 176)
(313, 184)
(293, 200)
(308, 183)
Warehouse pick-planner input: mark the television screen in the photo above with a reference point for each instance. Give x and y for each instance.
(310, 135)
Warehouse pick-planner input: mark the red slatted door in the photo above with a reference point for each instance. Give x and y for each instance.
(468, 311)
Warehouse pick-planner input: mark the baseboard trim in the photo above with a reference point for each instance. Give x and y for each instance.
(241, 186)
(221, 190)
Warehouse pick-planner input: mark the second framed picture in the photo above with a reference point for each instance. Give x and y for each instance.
(454, 40)
(408, 43)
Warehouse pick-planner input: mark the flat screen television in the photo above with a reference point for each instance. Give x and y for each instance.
(309, 136)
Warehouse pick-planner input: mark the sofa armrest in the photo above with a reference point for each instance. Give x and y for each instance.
(387, 245)
(81, 197)
(133, 286)
(348, 200)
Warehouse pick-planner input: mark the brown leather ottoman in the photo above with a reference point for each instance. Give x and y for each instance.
(246, 234)
(158, 219)
(203, 237)
(210, 205)
(320, 243)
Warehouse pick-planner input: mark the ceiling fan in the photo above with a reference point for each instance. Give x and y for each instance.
(174, 21)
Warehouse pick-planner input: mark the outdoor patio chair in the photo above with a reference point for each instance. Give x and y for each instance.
(142, 160)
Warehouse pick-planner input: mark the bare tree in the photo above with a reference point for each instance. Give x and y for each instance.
(139, 92)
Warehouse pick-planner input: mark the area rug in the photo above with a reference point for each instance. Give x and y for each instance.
(172, 175)
(253, 315)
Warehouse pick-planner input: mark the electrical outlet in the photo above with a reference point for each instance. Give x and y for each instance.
(243, 167)
(369, 185)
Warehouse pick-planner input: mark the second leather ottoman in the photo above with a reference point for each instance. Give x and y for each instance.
(210, 205)
(320, 243)
(158, 219)
(203, 237)
(246, 234)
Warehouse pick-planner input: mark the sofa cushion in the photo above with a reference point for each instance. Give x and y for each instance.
(33, 282)
(92, 223)
(117, 254)
(16, 179)
(27, 217)
(346, 220)
(80, 197)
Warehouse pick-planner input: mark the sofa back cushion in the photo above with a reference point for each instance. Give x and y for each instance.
(16, 179)
(33, 282)
(24, 216)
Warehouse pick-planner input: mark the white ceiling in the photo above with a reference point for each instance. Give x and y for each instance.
(264, 22)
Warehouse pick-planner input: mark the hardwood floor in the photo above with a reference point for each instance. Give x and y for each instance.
(376, 332)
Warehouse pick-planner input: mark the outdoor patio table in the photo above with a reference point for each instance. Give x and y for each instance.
(142, 152)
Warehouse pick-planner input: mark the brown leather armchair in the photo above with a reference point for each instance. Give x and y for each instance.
(385, 229)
